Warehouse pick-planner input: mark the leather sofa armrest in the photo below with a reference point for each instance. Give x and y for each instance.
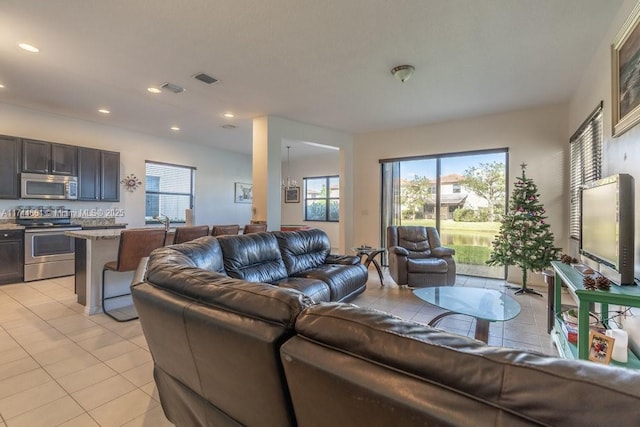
(398, 250)
(342, 259)
(442, 251)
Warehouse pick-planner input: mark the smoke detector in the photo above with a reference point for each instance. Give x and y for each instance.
(172, 87)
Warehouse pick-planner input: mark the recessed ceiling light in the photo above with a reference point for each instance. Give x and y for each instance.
(228, 115)
(1, 86)
(175, 128)
(104, 111)
(28, 47)
(154, 90)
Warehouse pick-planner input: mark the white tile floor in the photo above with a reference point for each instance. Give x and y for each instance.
(60, 367)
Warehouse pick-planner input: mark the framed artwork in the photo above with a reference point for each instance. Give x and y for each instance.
(600, 347)
(292, 195)
(243, 193)
(625, 78)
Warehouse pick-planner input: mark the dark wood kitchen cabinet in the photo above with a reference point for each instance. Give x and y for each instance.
(88, 174)
(109, 176)
(12, 256)
(98, 175)
(49, 158)
(9, 167)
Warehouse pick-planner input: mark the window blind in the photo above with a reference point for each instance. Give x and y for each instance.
(169, 190)
(585, 163)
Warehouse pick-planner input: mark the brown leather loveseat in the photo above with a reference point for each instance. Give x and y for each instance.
(228, 352)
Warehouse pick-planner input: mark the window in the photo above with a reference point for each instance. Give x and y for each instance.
(585, 163)
(169, 191)
(461, 194)
(322, 198)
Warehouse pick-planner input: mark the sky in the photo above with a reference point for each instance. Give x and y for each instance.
(449, 165)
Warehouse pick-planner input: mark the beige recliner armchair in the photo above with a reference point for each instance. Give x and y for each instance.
(416, 257)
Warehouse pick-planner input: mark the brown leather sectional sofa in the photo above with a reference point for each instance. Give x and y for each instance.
(231, 352)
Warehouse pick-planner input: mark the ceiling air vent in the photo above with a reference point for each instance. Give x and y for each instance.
(206, 78)
(172, 87)
(228, 126)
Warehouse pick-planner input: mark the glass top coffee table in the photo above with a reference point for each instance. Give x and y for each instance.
(486, 305)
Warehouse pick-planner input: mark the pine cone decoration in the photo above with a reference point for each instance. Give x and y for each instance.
(589, 283)
(567, 259)
(603, 283)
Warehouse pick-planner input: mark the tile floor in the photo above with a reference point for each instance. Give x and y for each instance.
(60, 367)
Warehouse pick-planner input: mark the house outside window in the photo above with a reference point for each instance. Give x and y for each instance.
(322, 198)
(169, 191)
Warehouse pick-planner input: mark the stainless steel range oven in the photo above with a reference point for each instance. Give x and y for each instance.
(48, 252)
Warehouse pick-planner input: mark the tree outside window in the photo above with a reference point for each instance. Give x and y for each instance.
(322, 198)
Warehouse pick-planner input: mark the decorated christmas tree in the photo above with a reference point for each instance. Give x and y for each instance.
(524, 239)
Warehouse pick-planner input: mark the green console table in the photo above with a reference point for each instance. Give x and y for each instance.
(618, 295)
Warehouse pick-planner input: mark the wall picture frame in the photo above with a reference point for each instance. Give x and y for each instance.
(243, 193)
(600, 347)
(292, 195)
(625, 67)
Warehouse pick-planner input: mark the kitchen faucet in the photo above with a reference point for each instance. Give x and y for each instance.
(162, 219)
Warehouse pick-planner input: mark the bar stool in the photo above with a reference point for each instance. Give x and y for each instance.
(135, 244)
(188, 233)
(254, 228)
(222, 230)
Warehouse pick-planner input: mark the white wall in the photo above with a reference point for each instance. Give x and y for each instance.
(280, 130)
(537, 137)
(293, 213)
(621, 154)
(217, 170)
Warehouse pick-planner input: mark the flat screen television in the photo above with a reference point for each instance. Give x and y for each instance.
(607, 227)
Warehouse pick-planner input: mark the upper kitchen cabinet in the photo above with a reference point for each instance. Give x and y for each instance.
(109, 176)
(9, 167)
(98, 175)
(49, 158)
(88, 174)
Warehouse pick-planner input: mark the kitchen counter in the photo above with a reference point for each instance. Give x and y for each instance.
(94, 248)
(102, 234)
(11, 226)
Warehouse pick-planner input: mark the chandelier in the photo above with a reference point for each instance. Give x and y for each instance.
(288, 183)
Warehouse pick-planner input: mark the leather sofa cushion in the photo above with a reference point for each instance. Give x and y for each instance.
(343, 280)
(202, 253)
(222, 346)
(510, 384)
(253, 257)
(303, 250)
(317, 290)
(427, 265)
(414, 239)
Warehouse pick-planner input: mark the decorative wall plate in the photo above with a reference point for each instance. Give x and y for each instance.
(131, 182)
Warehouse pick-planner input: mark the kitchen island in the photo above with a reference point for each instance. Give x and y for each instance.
(94, 248)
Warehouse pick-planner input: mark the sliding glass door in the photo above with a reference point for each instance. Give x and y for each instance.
(462, 195)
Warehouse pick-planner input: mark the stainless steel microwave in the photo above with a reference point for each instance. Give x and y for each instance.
(54, 187)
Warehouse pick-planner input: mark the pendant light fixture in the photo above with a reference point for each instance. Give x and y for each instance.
(288, 183)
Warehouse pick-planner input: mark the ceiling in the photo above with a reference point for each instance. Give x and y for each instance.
(325, 63)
